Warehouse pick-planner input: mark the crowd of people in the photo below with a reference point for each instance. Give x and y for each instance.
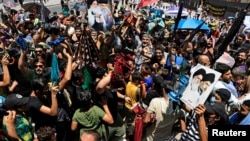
(63, 79)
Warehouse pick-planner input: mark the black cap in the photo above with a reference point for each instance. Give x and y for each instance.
(218, 109)
(209, 77)
(15, 100)
(224, 94)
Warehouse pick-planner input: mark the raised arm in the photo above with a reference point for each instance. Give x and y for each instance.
(24, 70)
(6, 74)
(9, 121)
(52, 111)
(68, 72)
(100, 88)
(200, 110)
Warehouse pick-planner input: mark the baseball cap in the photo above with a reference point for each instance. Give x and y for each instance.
(15, 100)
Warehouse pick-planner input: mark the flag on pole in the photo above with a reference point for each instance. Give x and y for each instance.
(144, 3)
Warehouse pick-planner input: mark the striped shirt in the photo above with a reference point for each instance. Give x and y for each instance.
(191, 133)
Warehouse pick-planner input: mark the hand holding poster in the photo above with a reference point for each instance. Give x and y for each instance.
(200, 85)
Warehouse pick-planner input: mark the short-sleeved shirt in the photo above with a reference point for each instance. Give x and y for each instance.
(23, 128)
(133, 92)
(35, 105)
(90, 120)
(166, 116)
(191, 133)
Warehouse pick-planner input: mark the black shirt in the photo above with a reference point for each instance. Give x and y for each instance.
(40, 119)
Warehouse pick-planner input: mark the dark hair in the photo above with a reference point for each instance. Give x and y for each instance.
(160, 48)
(40, 61)
(242, 51)
(147, 68)
(247, 103)
(78, 28)
(222, 68)
(241, 36)
(84, 97)
(45, 133)
(28, 25)
(99, 72)
(76, 75)
(136, 76)
(39, 82)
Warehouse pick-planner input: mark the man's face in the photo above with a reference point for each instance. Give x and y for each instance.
(204, 85)
(39, 51)
(78, 33)
(39, 68)
(242, 56)
(244, 110)
(211, 119)
(197, 79)
(239, 40)
(173, 51)
(145, 41)
(158, 54)
(94, 35)
(120, 14)
(227, 76)
(210, 43)
(196, 82)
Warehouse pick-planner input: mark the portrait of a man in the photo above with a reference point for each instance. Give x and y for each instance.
(200, 85)
(197, 78)
(207, 80)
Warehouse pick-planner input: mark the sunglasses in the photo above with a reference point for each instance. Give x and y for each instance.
(40, 66)
(39, 51)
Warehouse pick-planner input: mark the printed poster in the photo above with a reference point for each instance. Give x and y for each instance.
(100, 16)
(200, 85)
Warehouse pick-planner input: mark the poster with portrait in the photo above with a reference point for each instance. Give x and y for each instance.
(201, 83)
(100, 16)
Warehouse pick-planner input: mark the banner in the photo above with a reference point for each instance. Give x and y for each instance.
(144, 3)
(216, 10)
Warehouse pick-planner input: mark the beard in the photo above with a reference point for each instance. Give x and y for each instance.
(94, 37)
(144, 45)
(194, 85)
(78, 37)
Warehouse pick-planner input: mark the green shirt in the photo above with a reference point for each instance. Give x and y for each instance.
(23, 128)
(90, 120)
